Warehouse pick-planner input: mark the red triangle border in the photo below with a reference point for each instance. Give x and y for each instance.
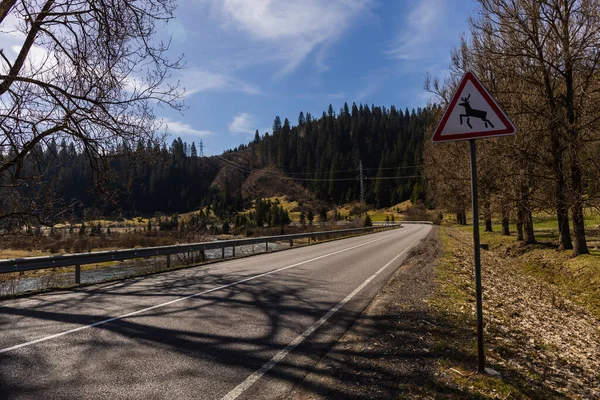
(510, 127)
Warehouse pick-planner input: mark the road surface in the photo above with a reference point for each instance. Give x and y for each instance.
(242, 329)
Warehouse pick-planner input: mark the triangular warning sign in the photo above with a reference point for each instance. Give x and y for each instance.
(472, 114)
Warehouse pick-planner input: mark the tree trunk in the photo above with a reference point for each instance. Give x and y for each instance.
(488, 216)
(505, 223)
(488, 224)
(528, 227)
(562, 215)
(520, 225)
(461, 217)
(579, 241)
(579, 244)
(525, 216)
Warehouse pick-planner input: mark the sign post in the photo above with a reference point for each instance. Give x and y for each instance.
(480, 117)
(477, 258)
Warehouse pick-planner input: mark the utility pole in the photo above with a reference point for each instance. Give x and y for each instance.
(362, 185)
(201, 154)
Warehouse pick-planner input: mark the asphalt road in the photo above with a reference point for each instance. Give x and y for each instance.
(248, 328)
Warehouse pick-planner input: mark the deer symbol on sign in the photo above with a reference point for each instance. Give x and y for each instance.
(470, 112)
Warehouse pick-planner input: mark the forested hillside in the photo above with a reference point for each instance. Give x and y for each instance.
(322, 154)
(325, 153)
(143, 180)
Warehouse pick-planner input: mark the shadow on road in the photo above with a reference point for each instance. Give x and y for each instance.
(390, 353)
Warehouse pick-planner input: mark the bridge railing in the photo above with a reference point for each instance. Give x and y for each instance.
(79, 259)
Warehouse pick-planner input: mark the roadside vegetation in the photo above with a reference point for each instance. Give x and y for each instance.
(267, 217)
(540, 61)
(418, 340)
(541, 316)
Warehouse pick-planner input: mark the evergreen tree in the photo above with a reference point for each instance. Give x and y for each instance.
(276, 126)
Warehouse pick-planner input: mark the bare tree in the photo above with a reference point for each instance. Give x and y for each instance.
(559, 42)
(541, 59)
(90, 71)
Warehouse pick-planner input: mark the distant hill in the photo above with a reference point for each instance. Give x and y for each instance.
(324, 154)
(315, 162)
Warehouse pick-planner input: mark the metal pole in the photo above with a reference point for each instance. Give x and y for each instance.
(233, 251)
(362, 187)
(168, 261)
(223, 253)
(266, 246)
(78, 274)
(480, 352)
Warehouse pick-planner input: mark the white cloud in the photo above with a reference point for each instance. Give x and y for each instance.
(422, 28)
(242, 123)
(372, 83)
(290, 30)
(198, 80)
(10, 27)
(38, 59)
(180, 128)
(195, 80)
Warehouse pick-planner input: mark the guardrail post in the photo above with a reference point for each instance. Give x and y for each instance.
(233, 251)
(78, 274)
(223, 252)
(202, 256)
(168, 261)
(266, 246)
(291, 243)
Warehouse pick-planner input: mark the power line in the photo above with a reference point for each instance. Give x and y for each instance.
(329, 172)
(262, 172)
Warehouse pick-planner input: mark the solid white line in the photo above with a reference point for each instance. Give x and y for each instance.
(106, 321)
(242, 387)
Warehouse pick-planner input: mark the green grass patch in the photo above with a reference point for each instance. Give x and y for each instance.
(380, 215)
(578, 277)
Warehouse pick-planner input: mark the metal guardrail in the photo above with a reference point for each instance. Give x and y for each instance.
(78, 259)
(391, 223)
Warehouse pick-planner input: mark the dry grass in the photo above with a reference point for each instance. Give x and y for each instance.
(12, 253)
(538, 333)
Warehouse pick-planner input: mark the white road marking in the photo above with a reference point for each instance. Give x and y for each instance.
(106, 321)
(242, 387)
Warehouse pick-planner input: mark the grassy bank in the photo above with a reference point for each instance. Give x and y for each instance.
(542, 326)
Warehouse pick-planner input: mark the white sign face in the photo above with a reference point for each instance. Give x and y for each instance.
(472, 113)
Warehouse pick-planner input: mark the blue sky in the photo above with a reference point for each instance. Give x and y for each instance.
(249, 60)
